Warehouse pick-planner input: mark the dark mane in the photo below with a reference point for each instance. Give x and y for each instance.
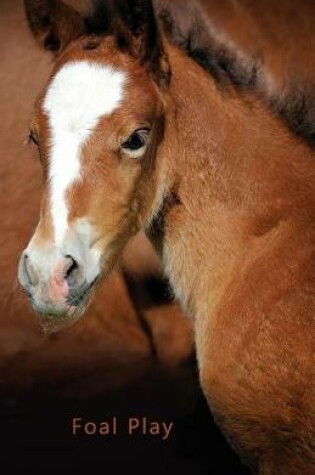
(196, 40)
(297, 109)
(295, 106)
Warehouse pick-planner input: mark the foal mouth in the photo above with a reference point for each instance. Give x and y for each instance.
(54, 317)
(78, 297)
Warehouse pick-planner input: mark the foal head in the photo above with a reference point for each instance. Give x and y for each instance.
(97, 125)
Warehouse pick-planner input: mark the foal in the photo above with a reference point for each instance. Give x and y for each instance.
(133, 134)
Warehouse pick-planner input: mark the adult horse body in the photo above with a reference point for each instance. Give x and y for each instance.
(133, 134)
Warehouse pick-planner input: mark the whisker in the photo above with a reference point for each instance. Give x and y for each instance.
(77, 296)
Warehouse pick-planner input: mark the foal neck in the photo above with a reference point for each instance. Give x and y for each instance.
(224, 144)
(237, 174)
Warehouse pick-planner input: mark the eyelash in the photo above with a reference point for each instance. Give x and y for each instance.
(32, 139)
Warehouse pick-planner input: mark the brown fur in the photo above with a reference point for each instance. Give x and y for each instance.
(247, 237)
(226, 193)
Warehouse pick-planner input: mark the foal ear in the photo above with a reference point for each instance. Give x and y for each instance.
(137, 31)
(53, 23)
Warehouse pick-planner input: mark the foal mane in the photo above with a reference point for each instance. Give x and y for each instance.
(231, 67)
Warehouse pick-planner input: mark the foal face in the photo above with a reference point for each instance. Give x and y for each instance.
(97, 126)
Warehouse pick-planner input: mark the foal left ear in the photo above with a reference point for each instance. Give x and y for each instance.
(137, 31)
(53, 23)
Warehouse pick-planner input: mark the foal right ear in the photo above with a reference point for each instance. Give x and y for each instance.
(53, 23)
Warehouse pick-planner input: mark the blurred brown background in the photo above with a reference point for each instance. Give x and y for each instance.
(132, 353)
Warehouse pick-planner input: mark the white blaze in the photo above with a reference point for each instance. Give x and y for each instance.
(79, 95)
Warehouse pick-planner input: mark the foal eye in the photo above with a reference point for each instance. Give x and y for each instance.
(136, 144)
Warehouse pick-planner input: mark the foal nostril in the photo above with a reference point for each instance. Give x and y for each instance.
(28, 271)
(25, 259)
(64, 276)
(71, 270)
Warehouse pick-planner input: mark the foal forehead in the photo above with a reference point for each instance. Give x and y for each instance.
(82, 92)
